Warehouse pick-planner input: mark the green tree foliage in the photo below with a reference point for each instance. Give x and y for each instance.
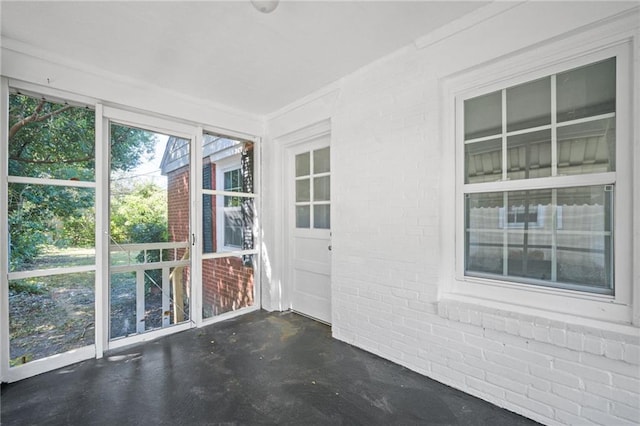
(54, 140)
(138, 213)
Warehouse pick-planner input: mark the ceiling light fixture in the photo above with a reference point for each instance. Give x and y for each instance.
(265, 6)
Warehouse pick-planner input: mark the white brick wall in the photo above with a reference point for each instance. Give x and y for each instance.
(568, 383)
(516, 367)
(388, 248)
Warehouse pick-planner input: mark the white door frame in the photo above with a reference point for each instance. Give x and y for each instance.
(288, 143)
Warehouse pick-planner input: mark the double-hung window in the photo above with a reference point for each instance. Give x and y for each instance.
(232, 213)
(540, 178)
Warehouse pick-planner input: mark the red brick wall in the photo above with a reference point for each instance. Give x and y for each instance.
(227, 284)
(178, 220)
(178, 205)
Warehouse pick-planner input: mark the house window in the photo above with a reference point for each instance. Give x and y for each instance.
(232, 211)
(540, 180)
(234, 207)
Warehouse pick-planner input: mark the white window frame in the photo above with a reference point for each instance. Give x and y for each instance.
(223, 166)
(232, 209)
(561, 56)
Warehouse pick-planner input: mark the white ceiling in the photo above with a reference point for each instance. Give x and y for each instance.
(227, 52)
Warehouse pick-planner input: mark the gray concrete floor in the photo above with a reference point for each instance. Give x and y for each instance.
(261, 368)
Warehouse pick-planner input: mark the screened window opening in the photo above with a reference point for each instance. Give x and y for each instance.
(228, 195)
(51, 196)
(228, 250)
(525, 219)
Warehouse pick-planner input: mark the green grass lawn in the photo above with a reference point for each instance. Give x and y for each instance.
(52, 314)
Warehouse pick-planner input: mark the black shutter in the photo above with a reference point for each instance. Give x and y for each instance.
(246, 169)
(207, 211)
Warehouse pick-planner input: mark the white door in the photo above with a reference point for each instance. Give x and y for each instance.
(309, 206)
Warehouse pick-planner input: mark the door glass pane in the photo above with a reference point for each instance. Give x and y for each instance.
(313, 193)
(321, 188)
(303, 216)
(483, 161)
(529, 105)
(50, 315)
(321, 161)
(50, 140)
(587, 91)
(529, 155)
(321, 216)
(149, 231)
(303, 164)
(227, 284)
(483, 116)
(303, 190)
(587, 147)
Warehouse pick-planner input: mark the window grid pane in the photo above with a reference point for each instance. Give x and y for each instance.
(483, 116)
(587, 147)
(529, 105)
(483, 161)
(303, 164)
(587, 91)
(529, 155)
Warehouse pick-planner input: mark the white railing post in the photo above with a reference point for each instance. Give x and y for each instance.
(140, 302)
(141, 269)
(166, 299)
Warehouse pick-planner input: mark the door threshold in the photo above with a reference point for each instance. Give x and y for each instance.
(310, 317)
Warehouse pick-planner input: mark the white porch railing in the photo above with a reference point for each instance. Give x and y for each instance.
(140, 267)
